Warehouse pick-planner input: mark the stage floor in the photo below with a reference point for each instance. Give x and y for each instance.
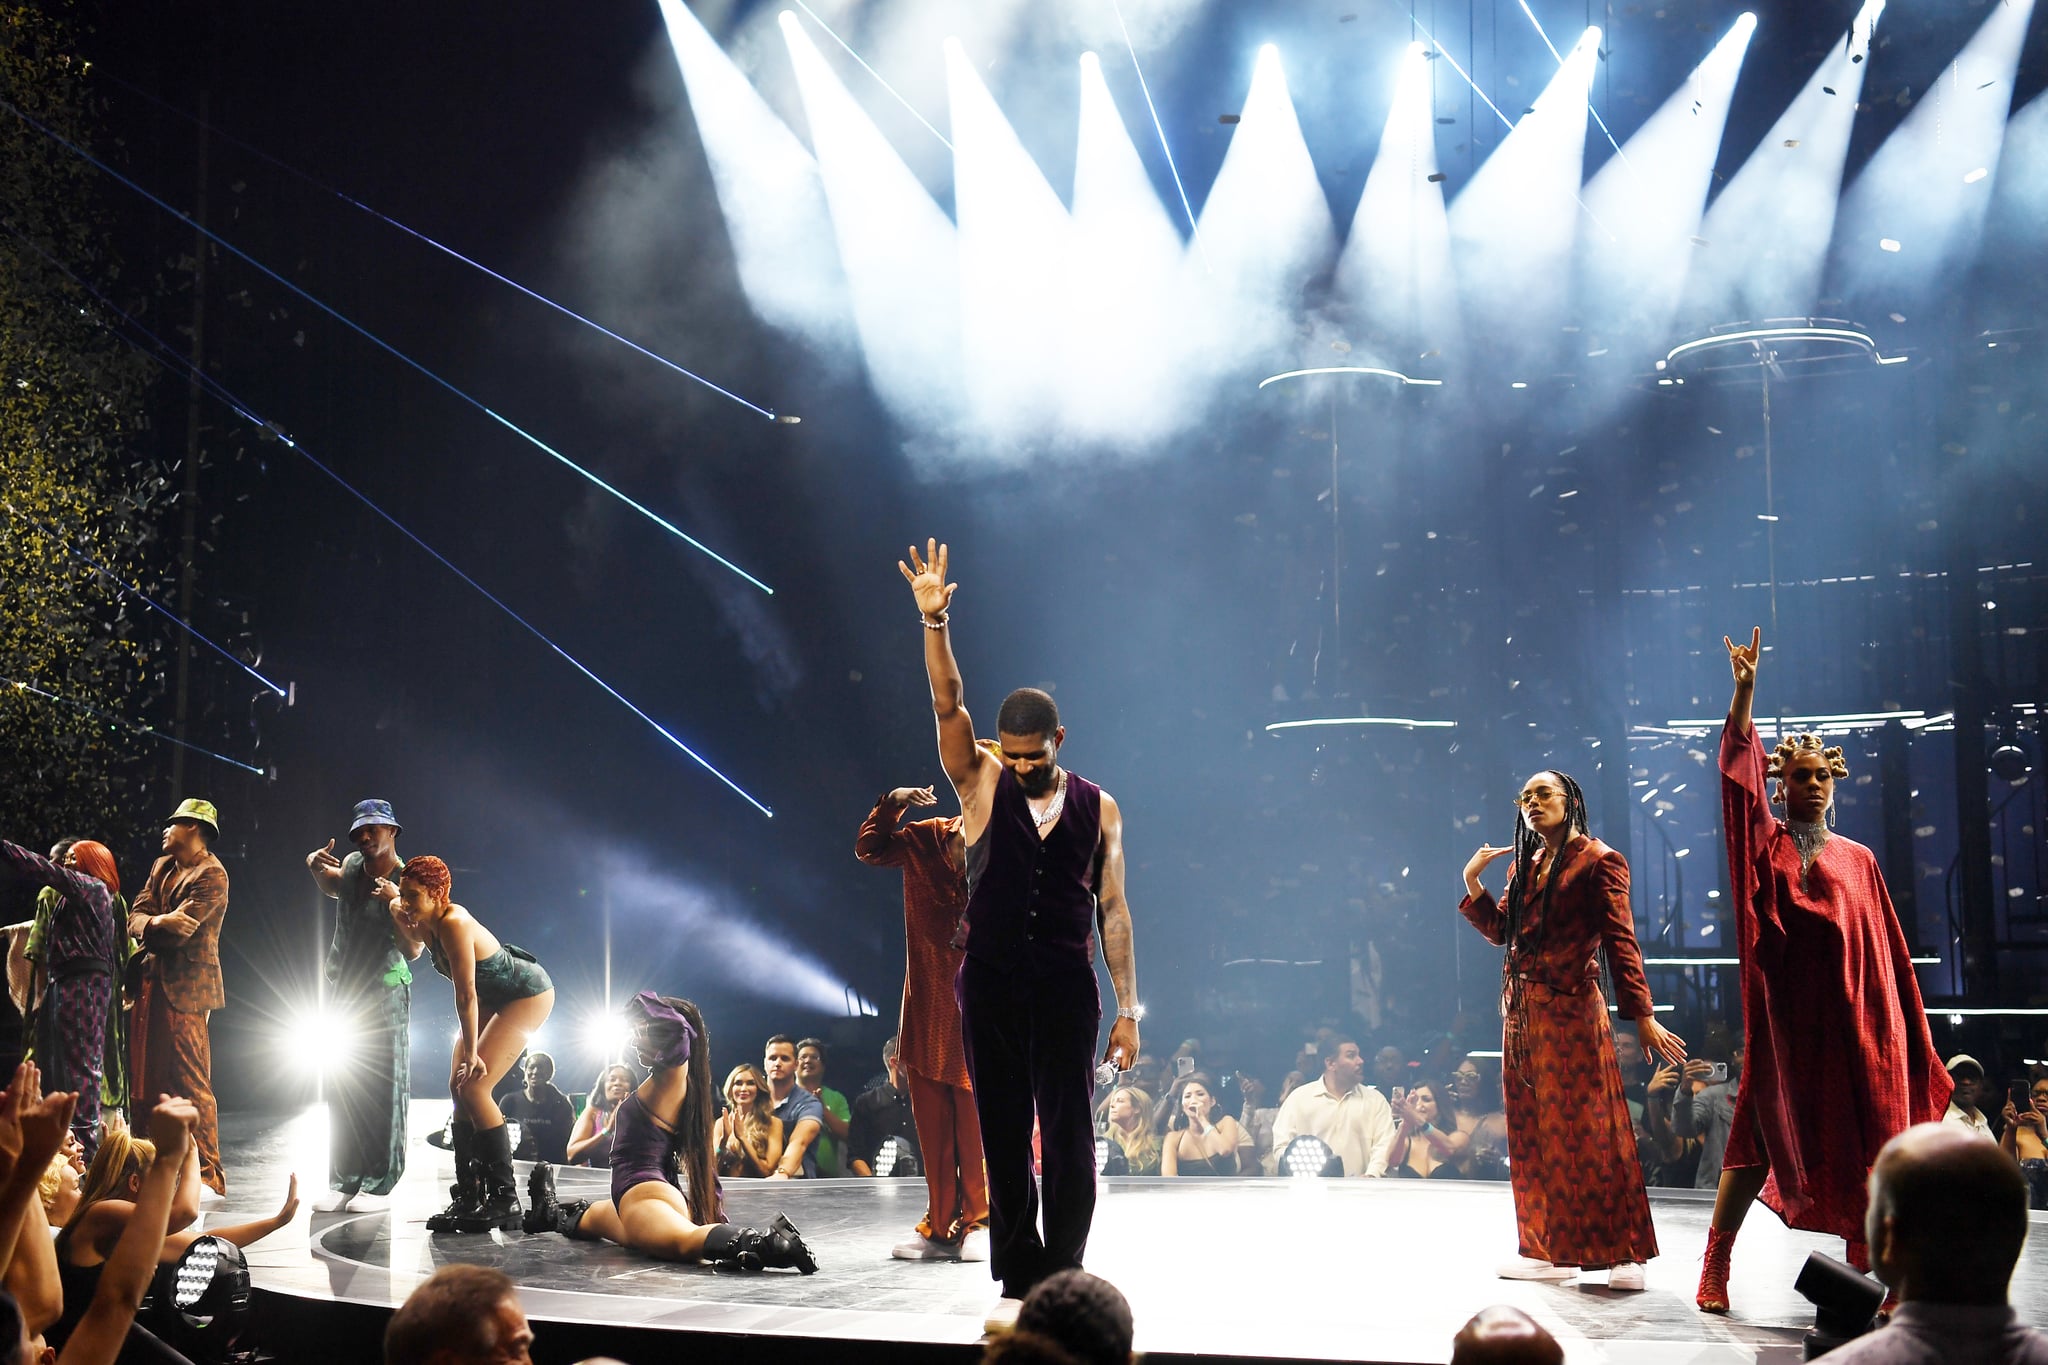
(1261, 1269)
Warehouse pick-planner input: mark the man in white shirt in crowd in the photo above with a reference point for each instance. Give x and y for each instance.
(1963, 1107)
(1948, 1215)
(1352, 1117)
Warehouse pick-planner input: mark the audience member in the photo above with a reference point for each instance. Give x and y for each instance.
(1130, 1128)
(1202, 1138)
(1473, 1096)
(461, 1315)
(1504, 1336)
(590, 1142)
(1672, 1160)
(1947, 1219)
(2025, 1140)
(880, 1113)
(1633, 1065)
(1390, 1070)
(1427, 1142)
(1352, 1117)
(749, 1136)
(1256, 1115)
(1069, 1318)
(1703, 1109)
(1968, 1074)
(802, 1115)
(838, 1116)
(544, 1114)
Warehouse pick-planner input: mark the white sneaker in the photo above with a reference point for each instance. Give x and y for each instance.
(369, 1203)
(1528, 1268)
(974, 1246)
(1625, 1277)
(334, 1201)
(923, 1248)
(1002, 1317)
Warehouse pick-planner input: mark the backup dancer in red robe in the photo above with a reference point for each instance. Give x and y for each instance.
(1579, 1198)
(1839, 1059)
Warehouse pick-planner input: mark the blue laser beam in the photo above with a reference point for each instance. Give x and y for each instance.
(1560, 61)
(390, 349)
(847, 47)
(136, 727)
(172, 359)
(1160, 128)
(128, 590)
(441, 247)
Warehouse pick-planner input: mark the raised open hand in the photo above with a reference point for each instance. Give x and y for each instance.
(170, 1126)
(45, 1123)
(323, 859)
(926, 575)
(1742, 659)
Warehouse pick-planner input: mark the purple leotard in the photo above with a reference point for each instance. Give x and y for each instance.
(642, 1150)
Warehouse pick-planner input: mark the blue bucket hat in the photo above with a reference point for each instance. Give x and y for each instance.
(374, 812)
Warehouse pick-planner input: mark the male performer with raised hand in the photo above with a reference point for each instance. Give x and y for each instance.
(1045, 870)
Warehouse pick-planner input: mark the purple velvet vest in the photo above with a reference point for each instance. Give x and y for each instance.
(1031, 901)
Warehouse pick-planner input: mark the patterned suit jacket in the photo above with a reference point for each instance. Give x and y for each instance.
(185, 959)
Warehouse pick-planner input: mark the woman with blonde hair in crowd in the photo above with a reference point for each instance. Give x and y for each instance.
(590, 1142)
(749, 1134)
(1130, 1128)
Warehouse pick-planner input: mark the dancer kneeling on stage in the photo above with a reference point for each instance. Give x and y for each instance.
(502, 995)
(663, 1131)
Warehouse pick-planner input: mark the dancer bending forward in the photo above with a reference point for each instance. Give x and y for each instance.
(502, 995)
(661, 1132)
(1839, 1060)
(1579, 1200)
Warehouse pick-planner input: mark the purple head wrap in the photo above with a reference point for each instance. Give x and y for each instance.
(665, 1034)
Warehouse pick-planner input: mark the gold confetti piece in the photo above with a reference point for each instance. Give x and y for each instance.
(1791, 142)
(1898, 317)
(1699, 241)
(1226, 118)
(1438, 178)
(1343, 346)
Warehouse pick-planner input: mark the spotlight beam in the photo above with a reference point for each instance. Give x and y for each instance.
(173, 360)
(893, 92)
(393, 351)
(414, 233)
(1194, 228)
(1601, 122)
(128, 590)
(134, 727)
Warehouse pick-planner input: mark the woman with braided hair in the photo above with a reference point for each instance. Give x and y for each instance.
(1839, 1057)
(666, 1202)
(1579, 1201)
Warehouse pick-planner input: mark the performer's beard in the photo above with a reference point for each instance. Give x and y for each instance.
(1040, 781)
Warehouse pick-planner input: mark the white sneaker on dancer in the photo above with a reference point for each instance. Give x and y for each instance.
(334, 1201)
(923, 1248)
(974, 1246)
(1625, 1277)
(369, 1203)
(1002, 1317)
(1529, 1268)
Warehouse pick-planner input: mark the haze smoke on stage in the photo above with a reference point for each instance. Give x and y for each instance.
(1512, 227)
(1928, 187)
(1767, 233)
(688, 933)
(1651, 197)
(1395, 271)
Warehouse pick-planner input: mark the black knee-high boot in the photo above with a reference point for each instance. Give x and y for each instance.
(545, 1212)
(780, 1247)
(497, 1200)
(463, 1193)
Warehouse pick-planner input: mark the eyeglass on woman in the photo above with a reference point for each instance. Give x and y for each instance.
(1536, 796)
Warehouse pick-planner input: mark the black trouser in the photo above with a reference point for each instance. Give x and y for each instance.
(1030, 1042)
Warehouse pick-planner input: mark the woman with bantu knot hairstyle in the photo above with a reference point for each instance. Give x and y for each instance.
(1839, 1056)
(665, 1198)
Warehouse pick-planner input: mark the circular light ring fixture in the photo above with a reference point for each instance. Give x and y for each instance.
(1821, 340)
(1352, 369)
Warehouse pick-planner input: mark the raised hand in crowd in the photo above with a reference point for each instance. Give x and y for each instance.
(99, 1336)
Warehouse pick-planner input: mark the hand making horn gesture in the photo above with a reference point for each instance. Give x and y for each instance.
(926, 575)
(1742, 659)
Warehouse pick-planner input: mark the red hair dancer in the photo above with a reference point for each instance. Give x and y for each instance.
(1839, 1058)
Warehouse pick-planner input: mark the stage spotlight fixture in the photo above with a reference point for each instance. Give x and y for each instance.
(896, 1159)
(199, 1304)
(324, 1037)
(1845, 1302)
(2010, 763)
(1309, 1155)
(1110, 1158)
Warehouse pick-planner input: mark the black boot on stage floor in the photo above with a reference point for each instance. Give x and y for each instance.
(463, 1193)
(497, 1200)
(781, 1247)
(547, 1213)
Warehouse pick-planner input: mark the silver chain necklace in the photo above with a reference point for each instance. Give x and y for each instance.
(1808, 839)
(1052, 808)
